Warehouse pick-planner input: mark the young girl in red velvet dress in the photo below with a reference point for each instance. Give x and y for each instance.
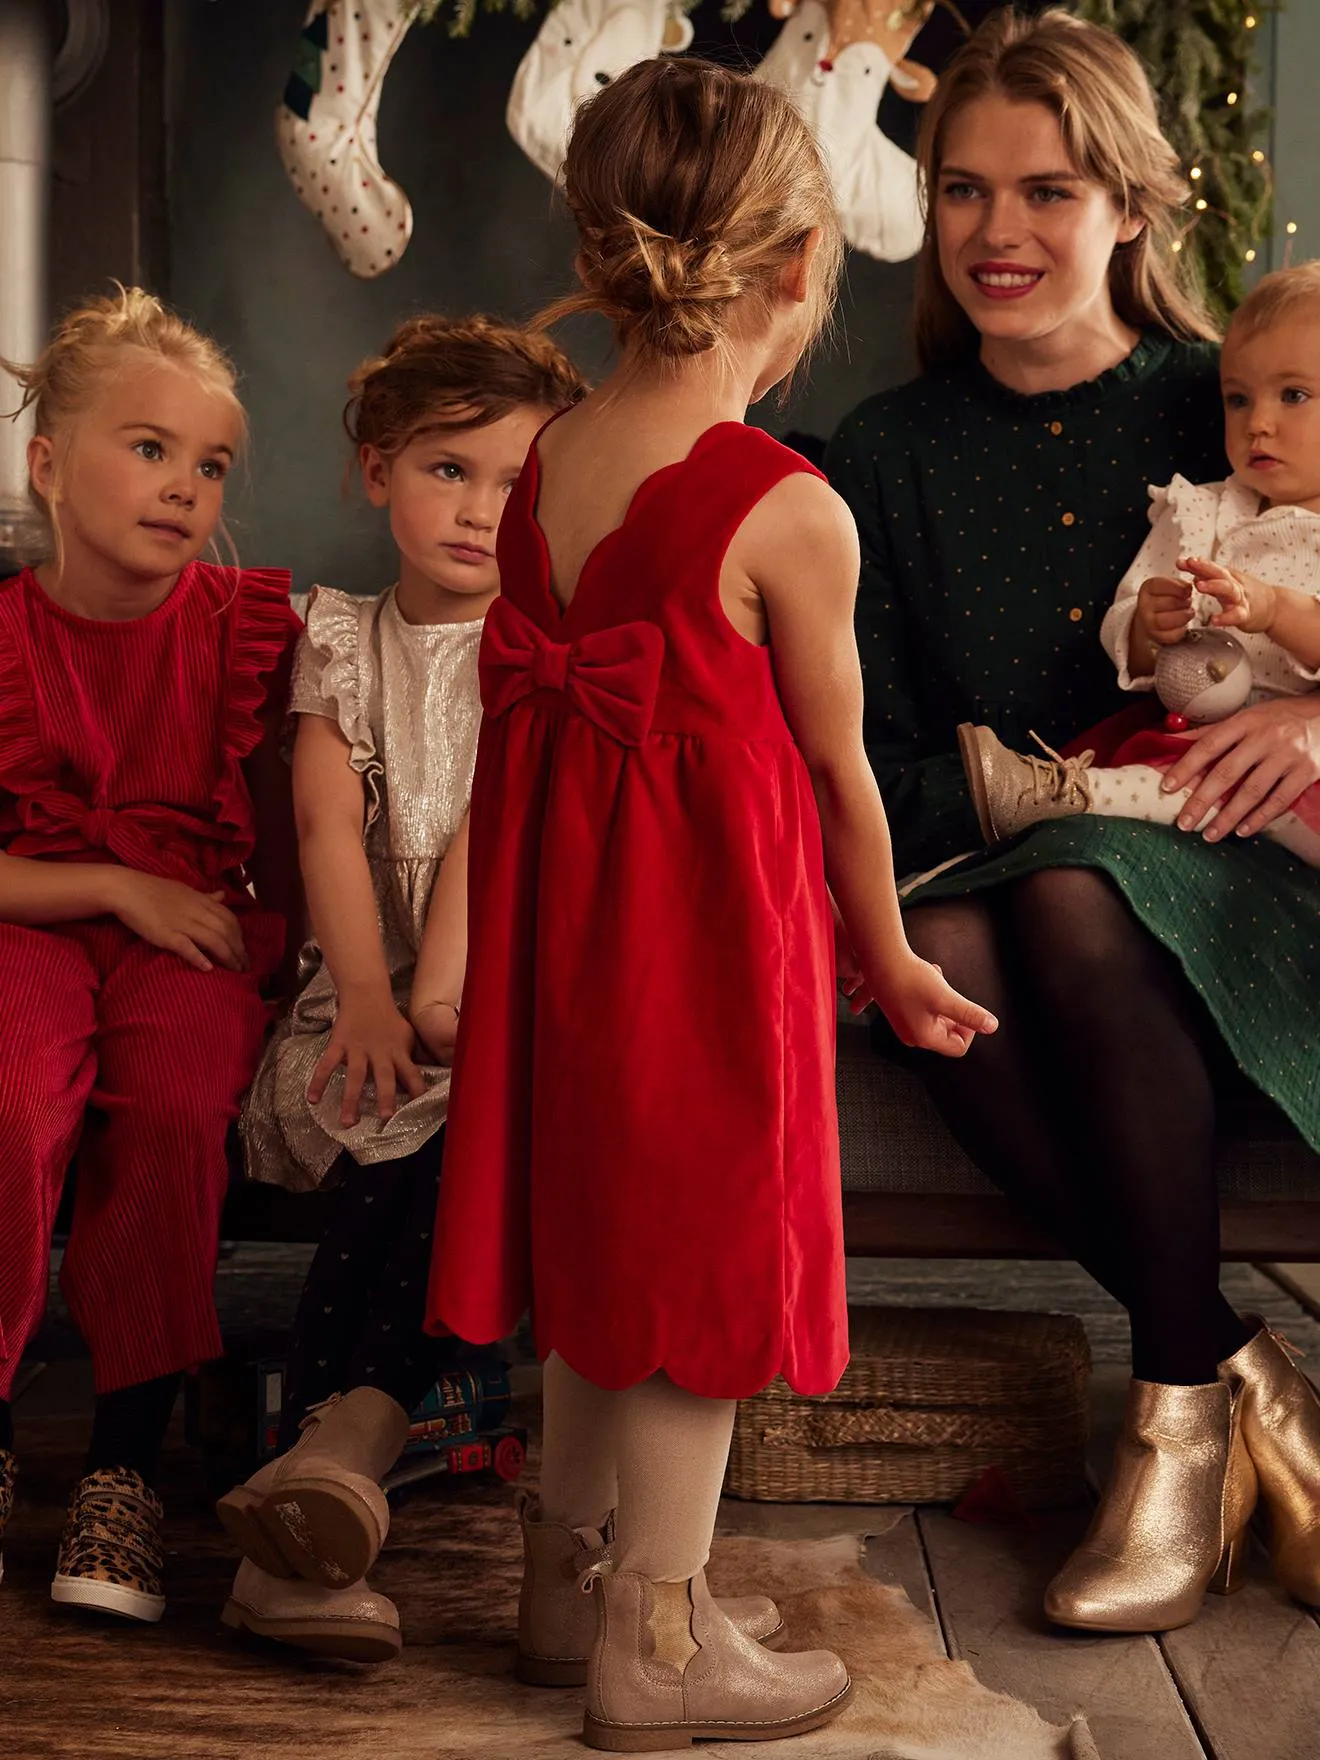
(141, 695)
(643, 1140)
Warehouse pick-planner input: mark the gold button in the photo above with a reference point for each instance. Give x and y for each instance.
(1075, 615)
(1056, 427)
(1070, 519)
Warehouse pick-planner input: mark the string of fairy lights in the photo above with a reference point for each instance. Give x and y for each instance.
(1202, 203)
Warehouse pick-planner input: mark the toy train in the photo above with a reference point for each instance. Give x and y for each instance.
(233, 1416)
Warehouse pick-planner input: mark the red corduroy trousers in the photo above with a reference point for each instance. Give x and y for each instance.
(121, 1051)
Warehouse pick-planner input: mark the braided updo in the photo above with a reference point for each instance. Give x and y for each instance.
(693, 187)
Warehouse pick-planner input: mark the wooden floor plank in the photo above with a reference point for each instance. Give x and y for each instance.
(988, 1584)
(893, 1549)
(1249, 1666)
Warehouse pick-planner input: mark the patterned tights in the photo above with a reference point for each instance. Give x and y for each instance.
(359, 1319)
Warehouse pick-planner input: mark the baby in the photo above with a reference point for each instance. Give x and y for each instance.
(1242, 555)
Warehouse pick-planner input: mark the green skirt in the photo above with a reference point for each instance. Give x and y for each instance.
(1241, 917)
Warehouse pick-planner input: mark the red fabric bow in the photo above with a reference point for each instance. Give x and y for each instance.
(611, 676)
(56, 823)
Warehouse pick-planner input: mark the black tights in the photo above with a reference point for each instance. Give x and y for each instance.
(128, 1425)
(1092, 1106)
(359, 1319)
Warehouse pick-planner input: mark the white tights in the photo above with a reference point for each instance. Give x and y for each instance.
(1133, 791)
(652, 1453)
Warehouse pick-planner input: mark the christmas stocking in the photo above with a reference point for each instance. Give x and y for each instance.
(326, 129)
(834, 60)
(582, 46)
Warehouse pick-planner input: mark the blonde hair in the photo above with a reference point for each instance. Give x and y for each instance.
(1097, 89)
(1277, 297)
(87, 346)
(438, 374)
(693, 187)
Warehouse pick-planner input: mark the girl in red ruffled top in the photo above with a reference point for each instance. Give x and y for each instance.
(141, 695)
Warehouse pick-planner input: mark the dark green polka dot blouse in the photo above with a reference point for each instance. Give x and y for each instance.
(994, 531)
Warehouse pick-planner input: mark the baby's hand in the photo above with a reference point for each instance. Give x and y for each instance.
(1248, 604)
(929, 1014)
(436, 1025)
(1164, 609)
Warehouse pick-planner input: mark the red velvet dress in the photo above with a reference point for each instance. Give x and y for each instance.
(643, 1141)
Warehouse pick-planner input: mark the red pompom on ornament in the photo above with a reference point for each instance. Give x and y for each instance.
(1175, 723)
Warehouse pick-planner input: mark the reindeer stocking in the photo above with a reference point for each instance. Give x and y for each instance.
(834, 59)
(326, 129)
(582, 46)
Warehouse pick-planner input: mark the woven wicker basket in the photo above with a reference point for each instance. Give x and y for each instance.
(931, 1398)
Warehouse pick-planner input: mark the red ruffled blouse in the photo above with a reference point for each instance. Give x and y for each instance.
(124, 741)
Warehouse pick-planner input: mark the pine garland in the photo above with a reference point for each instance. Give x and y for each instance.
(1197, 53)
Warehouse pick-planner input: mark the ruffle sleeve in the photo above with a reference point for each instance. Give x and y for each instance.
(332, 678)
(24, 767)
(264, 633)
(1183, 520)
(1194, 510)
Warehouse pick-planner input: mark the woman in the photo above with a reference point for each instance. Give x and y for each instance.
(999, 498)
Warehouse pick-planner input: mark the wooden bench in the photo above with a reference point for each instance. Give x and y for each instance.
(910, 1192)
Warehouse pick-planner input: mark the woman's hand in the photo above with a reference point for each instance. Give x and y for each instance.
(436, 1025)
(929, 1014)
(369, 1037)
(195, 925)
(1262, 758)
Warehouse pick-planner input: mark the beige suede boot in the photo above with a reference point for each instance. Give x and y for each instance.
(355, 1624)
(667, 1669)
(1012, 791)
(318, 1512)
(557, 1622)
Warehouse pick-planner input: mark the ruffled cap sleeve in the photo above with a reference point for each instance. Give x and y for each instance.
(332, 678)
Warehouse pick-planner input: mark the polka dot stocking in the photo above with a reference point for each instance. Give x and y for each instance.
(1133, 791)
(359, 1319)
(326, 129)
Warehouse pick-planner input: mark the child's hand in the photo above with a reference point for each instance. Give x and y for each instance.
(1248, 604)
(847, 968)
(369, 1037)
(1164, 609)
(168, 914)
(929, 1014)
(436, 1025)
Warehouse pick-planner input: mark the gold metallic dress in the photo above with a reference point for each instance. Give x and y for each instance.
(405, 698)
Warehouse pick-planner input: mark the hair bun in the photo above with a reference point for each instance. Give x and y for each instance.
(693, 188)
(676, 289)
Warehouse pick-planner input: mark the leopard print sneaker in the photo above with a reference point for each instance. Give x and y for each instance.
(8, 1475)
(111, 1552)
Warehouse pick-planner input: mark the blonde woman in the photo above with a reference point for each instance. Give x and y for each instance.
(1000, 496)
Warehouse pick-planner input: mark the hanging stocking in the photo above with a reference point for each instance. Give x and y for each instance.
(326, 130)
(834, 60)
(582, 46)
